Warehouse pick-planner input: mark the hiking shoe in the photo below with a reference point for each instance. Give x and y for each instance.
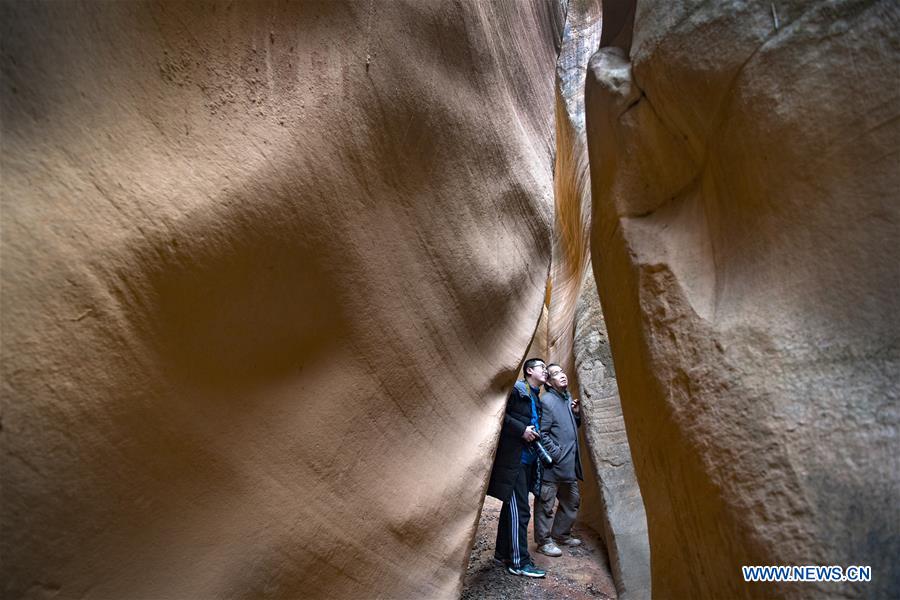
(570, 542)
(528, 570)
(502, 562)
(550, 549)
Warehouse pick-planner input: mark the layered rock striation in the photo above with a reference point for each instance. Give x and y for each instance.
(619, 511)
(268, 270)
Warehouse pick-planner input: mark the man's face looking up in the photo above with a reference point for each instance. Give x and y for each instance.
(558, 378)
(539, 373)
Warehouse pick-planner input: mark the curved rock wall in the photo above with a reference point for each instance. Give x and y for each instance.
(744, 173)
(256, 282)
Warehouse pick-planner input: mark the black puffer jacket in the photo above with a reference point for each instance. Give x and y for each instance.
(508, 459)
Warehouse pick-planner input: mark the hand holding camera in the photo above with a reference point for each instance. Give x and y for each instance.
(541, 451)
(532, 436)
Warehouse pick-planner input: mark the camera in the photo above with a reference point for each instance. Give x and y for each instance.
(541, 451)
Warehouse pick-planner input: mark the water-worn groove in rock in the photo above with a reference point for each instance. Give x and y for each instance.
(611, 499)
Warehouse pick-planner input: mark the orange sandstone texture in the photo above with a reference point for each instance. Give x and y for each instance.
(267, 272)
(745, 181)
(575, 334)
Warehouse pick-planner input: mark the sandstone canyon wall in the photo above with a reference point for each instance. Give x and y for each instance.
(621, 517)
(745, 179)
(267, 272)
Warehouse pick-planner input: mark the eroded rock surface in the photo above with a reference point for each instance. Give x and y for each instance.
(571, 178)
(620, 514)
(745, 176)
(611, 501)
(257, 268)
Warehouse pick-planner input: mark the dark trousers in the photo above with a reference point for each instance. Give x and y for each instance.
(512, 530)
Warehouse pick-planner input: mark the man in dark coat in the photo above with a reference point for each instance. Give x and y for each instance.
(560, 420)
(516, 470)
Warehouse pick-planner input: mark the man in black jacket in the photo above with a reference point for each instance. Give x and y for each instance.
(560, 419)
(517, 470)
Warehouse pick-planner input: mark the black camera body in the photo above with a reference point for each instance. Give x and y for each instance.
(541, 451)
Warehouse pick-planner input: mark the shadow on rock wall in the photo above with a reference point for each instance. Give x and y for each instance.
(258, 325)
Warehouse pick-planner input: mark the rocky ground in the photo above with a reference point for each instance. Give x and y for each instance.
(581, 573)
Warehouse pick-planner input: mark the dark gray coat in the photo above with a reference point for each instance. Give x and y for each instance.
(559, 434)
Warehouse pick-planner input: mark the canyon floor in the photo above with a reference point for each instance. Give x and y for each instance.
(581, 573)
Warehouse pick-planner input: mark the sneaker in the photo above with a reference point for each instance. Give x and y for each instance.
(528, 570)
(550, 549)
(570, 542)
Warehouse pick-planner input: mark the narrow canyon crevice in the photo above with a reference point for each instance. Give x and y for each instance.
(267, 271)
(572, 331)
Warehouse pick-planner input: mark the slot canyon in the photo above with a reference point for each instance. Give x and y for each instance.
(270, 270)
